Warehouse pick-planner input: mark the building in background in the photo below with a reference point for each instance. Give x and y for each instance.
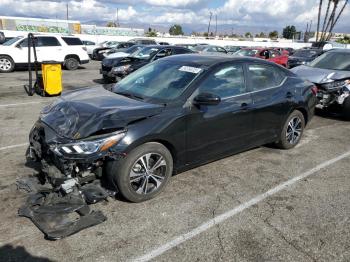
(38, 25)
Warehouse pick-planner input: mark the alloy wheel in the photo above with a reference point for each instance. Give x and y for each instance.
(5, 64)
(294, 130)
(148, 173)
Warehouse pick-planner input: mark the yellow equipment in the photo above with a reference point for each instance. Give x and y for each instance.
(49, 80)
(52, 78)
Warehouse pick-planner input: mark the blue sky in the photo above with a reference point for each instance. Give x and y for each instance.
(190, 13)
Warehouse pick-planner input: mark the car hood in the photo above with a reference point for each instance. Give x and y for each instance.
(301, 58)
(118, 54)
(319, 75)
(85, 112)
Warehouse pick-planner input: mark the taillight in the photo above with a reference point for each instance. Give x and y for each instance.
(314, 90)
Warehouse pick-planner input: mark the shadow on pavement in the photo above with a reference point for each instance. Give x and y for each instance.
(10, 253)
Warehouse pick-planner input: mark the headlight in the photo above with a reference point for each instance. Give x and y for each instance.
(121, 68)
(87, 147)
(334, 85)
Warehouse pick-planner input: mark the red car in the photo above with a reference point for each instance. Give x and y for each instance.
(265, 53)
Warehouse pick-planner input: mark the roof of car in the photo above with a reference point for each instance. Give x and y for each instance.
(210, 60)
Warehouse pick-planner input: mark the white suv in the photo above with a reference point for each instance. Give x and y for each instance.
(67, 50)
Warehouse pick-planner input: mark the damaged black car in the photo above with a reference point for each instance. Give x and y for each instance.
(169, 116)
(330, 73)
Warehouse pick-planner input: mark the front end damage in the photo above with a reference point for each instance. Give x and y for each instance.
(69, 180)
(333, 93)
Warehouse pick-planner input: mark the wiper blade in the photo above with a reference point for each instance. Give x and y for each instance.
(127, 94)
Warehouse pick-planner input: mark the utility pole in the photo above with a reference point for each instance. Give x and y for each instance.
(117, 17)
(209, 22)
(216, 24)
(67, 12)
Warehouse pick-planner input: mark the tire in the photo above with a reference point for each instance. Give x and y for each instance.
(108, 79)
(71, 63)
(288, 137)
(7, 64)
(346, 108)
(137, 189)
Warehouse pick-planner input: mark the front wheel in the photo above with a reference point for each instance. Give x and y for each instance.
(292, 130)
(346, 108)
(7, 65)
(143, 173)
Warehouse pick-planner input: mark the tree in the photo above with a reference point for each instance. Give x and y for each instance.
(289, 32)
(273, 34)
(151, 32)
(248, 35)
(111, 24)
(176, 30)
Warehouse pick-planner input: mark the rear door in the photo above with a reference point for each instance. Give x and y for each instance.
(270, 100)
(49, 49)
(217, 130)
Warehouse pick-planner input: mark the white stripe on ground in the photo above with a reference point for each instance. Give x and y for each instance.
(22, 104)
(221, 218)
(13, 146)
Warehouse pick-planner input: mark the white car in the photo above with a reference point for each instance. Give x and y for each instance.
(90, 46)
(67, 50)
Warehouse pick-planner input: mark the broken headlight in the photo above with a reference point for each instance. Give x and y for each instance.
(86, 147)
(121, 68)
(333, 85)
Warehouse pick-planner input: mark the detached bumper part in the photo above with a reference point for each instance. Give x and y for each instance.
(60, 216)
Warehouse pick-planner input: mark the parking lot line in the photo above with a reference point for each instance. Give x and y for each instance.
(221, 218)
(20, 104)
(13, 146)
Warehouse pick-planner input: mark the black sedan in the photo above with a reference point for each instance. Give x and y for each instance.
(170, 116)
(101, 52)
(115, 68)
(303, 56)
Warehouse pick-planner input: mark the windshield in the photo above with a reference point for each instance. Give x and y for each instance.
(246, 52)
(200, 48)
(133, 49)
(11, 41)
(145, 53)
(333, 61)
(160, 81)
(305, 53)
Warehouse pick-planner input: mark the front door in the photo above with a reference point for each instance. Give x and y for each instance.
(217, 130)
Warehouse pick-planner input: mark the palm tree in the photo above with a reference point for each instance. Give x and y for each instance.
(334, 22)
(318, 19)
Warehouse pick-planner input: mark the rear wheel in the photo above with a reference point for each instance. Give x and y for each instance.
(346, 108)
(71, 63)
(7, 64)
(292, 130)
(143, 173)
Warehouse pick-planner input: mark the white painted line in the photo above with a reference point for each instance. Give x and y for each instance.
(13, 146)
(21, 104)
(221, 218)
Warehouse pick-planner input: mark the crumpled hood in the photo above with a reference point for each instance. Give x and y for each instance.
(117, 54)
(81, 113)
(319, 75)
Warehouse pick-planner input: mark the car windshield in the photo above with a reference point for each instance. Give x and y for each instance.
(133, 49)
(333, 61)
(200, 48)
(158, 82)
(11, 41)
(246, 52)
(145, 53)
(305, 53)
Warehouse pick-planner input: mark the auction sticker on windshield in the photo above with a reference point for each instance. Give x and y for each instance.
(190, 69)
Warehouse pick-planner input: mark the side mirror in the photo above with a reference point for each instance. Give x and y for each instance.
(207, 99)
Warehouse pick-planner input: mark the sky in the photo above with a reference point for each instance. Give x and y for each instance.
(193, 14)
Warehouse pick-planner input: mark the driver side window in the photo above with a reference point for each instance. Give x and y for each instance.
(225, 82)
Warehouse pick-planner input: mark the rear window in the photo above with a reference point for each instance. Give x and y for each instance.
(72, 41)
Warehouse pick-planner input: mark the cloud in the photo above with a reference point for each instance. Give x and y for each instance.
(252, 13)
